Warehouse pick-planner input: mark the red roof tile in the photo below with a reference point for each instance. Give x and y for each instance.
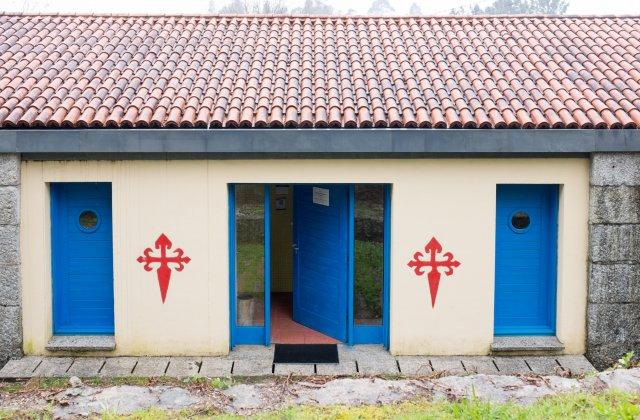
(277, 71)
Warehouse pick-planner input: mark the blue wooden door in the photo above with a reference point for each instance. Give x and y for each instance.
(82, 258)
(526, 225)
(321, 269)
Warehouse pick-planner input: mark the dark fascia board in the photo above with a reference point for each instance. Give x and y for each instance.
(257, 143)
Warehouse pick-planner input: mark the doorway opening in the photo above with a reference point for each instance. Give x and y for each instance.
(284, 327)
(309, 263)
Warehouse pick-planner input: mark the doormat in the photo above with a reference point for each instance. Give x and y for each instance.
(306, 353)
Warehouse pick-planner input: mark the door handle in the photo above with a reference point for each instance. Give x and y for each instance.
(295, 247)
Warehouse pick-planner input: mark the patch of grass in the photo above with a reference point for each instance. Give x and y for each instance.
(34, 384)
(627, 361)
(51, 383)
(608, 405)
(25, 414)
(126, 380)
(221, 383)
(11, 387)
(148, 414)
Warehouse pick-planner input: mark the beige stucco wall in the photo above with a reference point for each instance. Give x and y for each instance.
(452, 199)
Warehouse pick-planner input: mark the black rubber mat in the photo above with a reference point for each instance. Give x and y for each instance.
(306, 353)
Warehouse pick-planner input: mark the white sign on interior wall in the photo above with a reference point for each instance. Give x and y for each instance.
(321, 196)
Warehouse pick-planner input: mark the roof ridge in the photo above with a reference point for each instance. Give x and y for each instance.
(298, 15)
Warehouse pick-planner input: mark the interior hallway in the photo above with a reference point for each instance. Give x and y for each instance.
(284, 330)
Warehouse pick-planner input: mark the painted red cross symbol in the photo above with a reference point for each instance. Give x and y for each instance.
(433, 248)
(164, 271)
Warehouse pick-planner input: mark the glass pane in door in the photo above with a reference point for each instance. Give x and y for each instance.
(249, 219)
(369, 254)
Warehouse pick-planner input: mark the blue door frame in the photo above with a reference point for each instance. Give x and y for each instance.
(356, 334)
(249, 334)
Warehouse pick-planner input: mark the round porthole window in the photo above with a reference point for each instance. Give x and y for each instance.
(88, 220)
(520, 221)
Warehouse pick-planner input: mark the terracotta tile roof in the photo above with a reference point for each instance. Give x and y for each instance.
(276, 71)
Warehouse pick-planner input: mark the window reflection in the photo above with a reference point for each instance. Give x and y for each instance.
(249, 219)
(369, 254)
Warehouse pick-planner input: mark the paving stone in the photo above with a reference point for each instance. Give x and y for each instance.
(251, 353)
(151, 366)
(184, 367)
(447, 365)
(370, 359)
(626, 380)
(20, 368)
(511, 365)
(294, 369)
(378, 366)
(252, 367)
(355, 392)
(415, 365)
(362, 351)
(118, 366)
(577, 365)
(543, 365)
(85, 367)
(122, 400)
(215, 367)
(344, 368)
(53, 367)
(244, 397)
(479, 364)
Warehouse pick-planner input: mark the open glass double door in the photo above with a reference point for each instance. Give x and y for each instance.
(309, 263)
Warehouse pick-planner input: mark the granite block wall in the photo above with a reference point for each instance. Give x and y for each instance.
(10, 322)
(613, 313)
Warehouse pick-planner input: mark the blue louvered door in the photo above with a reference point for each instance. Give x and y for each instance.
(525, 265)
(320, 262)
(82, 258)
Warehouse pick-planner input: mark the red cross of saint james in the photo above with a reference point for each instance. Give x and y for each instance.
(164, 271)
(433, 248)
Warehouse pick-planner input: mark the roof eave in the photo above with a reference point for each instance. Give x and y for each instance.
(238, 143)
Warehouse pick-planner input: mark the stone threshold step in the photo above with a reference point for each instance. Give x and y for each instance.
(81, 343)
(509, 344)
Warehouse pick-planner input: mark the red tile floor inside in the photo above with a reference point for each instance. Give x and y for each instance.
(284, 330)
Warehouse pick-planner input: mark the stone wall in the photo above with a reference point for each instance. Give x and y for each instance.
(613, 324)
(10, 323)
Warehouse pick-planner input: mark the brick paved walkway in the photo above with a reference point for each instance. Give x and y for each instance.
(258, 361)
